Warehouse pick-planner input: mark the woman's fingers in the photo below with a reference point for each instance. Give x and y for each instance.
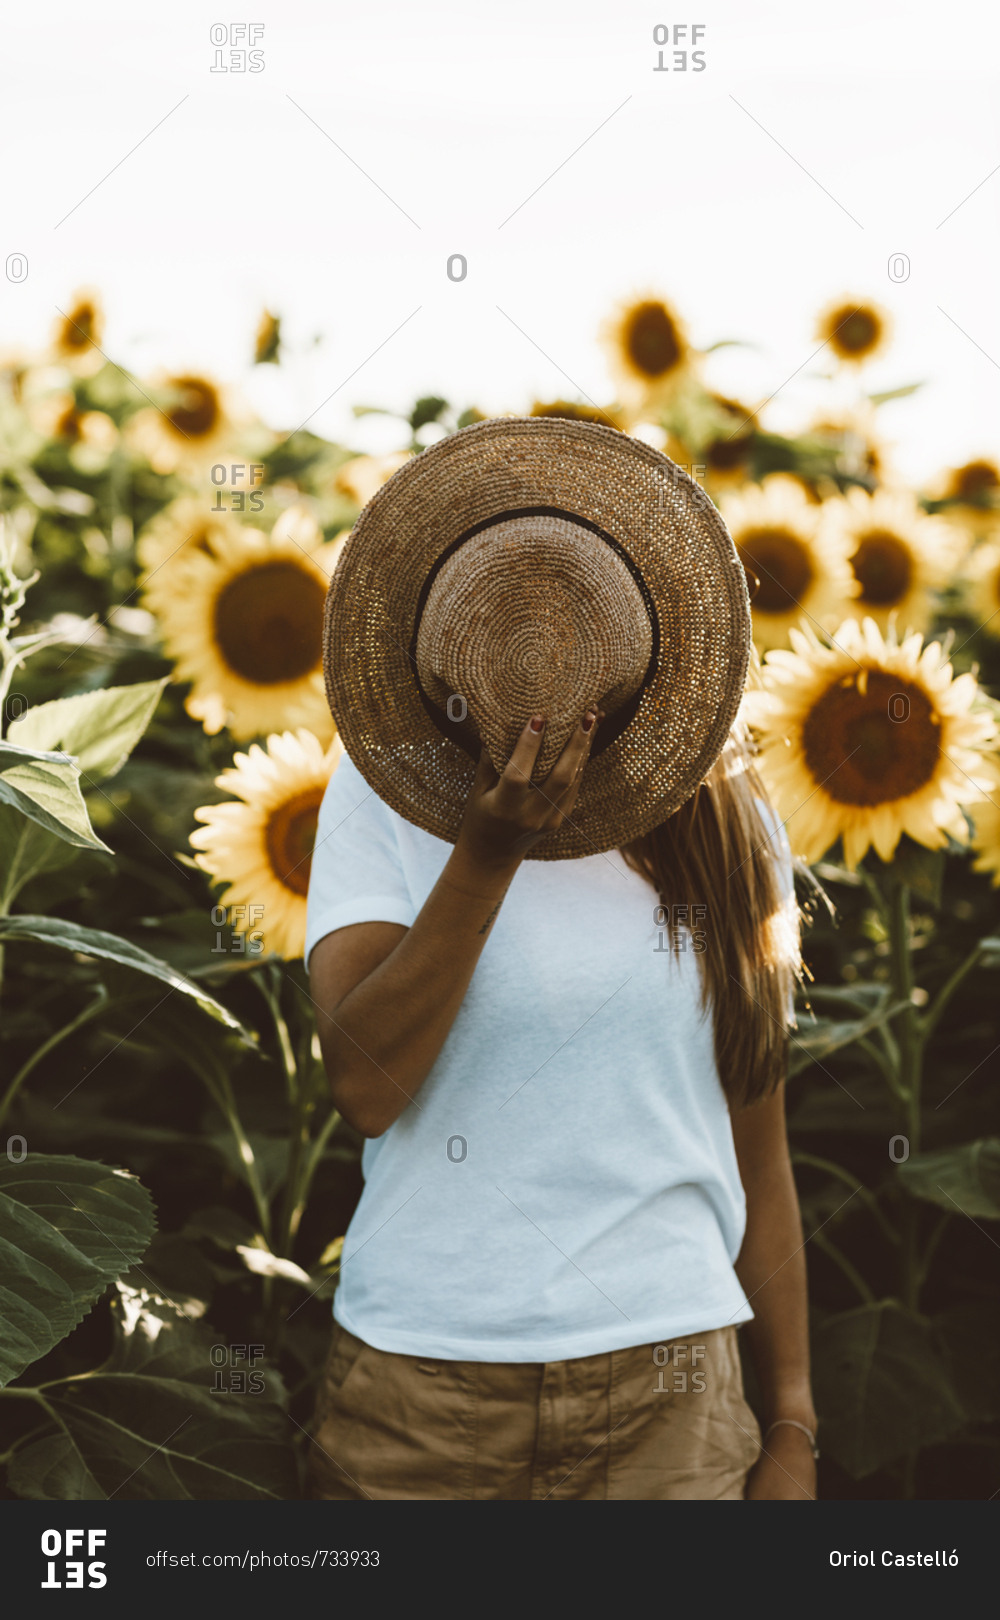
(564, 777)
(507, 814)
(549, 800)
(522, 761)
(486, 776)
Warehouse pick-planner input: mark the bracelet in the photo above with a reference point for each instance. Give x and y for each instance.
(795, 1424)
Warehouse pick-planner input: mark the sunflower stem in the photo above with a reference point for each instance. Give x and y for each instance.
(883, 1061)
(910, 1034)
(299, 1142)
(227, 1102)
(93, 1007)
(288, 1063)
(910, 1038)
(849, 1270)
(933, 1014)
(931, 1247)
(311, 1166)
(868, 1198)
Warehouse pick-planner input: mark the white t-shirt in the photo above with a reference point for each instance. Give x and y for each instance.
(564, 1182)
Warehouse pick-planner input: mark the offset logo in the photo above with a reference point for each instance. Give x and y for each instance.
(244, 54)
(65, 1567)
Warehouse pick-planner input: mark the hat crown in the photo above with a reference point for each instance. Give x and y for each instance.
(533, 614)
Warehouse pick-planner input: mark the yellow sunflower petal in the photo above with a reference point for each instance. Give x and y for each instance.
(260, 844)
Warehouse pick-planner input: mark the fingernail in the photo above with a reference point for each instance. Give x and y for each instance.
(537, 722)
(588, 720)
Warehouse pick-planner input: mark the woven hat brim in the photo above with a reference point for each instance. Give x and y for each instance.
(663, 523)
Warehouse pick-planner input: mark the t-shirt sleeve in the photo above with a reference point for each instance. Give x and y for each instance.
(357, 874)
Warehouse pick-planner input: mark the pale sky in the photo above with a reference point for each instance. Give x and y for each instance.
(536, 140)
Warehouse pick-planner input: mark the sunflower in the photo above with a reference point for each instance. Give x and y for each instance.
(972, 494)
(241, 613)
(189, 427)
(799, 568)
(869, 738)
(186, 525)
(986, 833)
(898, 554)
(79, 332)
(857, 449)
(363, 475)
(982, 586)
(854, 331)
(267, 344)
(59, 415)
(648, 351)
(568, 411)
(261, 845)
(727, 450)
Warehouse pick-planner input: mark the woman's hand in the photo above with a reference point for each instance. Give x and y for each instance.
(786, 1471)
(506, 814)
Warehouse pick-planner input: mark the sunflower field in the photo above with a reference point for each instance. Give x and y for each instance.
(174, 1184)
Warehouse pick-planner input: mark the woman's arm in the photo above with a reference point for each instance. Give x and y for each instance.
(772, 1273)
(388, 996)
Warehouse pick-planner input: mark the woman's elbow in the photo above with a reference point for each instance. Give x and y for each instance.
(352, 1097)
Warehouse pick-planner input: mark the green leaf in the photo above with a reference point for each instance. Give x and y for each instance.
(26, 849)
(68, 1228)
(882, 1387)
(13, 754)
(895, 393)
(52, 1470)
(862, 995)
(223, 1227)
(47, 791)
(70, 936)
(967, 1334)
(99, 728)
(963, 1180)
(921, 869)
(265, 1264)
(831, 872)
(270, 1155)
(160, 1422)
(427, 410)
(820, 1040)
(859, 1106)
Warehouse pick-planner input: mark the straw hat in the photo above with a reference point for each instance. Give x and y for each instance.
(530, 565)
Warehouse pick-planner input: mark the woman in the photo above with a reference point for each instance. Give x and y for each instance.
(554, 999)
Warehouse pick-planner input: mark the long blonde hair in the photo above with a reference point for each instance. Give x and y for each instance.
(717, 854)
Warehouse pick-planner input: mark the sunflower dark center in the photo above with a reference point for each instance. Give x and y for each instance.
(78, 330)
(268, 623)
(571, 412)
(291, 833)
(974, 481)
(855, 331)
(195, 411)
(200, 539)
(724, 454)
(652, 341)
(781, 562)
(68, 425)
(874, 746)
(883, 567)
